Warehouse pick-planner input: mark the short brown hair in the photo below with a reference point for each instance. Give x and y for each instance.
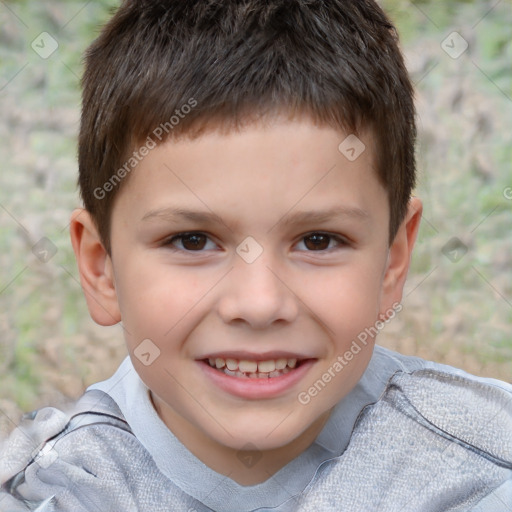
(233, 61)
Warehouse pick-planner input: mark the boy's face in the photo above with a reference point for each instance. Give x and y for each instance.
(288, 260)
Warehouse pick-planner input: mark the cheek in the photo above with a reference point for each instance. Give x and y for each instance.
(347, 300)
(153, 299)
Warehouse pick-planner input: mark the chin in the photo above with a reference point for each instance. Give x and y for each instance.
(273, 435)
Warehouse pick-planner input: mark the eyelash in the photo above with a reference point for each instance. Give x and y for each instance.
(340, 241)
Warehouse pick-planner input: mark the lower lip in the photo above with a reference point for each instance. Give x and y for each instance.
(256, 389)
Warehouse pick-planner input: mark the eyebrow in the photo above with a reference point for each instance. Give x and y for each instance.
(171, 214)
(317, 216)
(302, 217)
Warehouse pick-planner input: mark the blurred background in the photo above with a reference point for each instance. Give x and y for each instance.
(458, 300)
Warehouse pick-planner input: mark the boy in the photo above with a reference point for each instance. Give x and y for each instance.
(246, 170)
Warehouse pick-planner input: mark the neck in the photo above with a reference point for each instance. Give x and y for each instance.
(247, 466)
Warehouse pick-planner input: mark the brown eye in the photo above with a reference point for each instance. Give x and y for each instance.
(317, 242)
(193, 241)
(190, 242)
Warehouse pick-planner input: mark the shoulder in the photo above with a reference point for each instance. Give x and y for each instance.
(437, 438)
(449, 401)
(471, 410)
(83, 460)
(50, 424)
(51, 444)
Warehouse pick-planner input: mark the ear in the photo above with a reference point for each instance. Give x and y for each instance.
(95, 268)
(399, 257)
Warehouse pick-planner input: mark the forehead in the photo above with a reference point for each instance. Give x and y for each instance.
(277, 166)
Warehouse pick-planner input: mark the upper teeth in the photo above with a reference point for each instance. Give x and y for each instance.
(247, 366)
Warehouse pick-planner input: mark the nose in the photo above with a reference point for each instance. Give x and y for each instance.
(257, 295)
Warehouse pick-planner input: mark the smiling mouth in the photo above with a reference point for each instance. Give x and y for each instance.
(251, 369)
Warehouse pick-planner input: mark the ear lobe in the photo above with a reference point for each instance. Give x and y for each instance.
(95, 268)
(399, 257)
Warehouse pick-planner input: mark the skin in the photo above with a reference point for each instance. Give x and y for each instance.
(292, 298)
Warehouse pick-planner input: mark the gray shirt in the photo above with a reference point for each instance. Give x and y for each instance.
(412, 436)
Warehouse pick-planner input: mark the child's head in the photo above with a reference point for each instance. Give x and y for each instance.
(261, 159)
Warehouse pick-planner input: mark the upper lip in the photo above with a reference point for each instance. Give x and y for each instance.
(240, 355)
